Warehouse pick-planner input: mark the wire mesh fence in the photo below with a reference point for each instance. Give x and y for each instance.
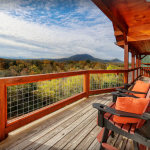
(129, 77)
(104, 81)
(25, 98)
(135, 72)
(138, 71)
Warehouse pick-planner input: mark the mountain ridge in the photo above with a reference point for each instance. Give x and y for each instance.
(85, 57)
(77, 57)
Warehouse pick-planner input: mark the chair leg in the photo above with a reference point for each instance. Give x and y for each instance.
(112, 134)
(136, 147)
(114, 98)
(104, 138)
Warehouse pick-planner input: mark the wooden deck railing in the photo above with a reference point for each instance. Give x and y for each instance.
(37, 98)
(145, 71)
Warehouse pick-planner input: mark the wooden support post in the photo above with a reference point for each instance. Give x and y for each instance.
(86, 86)
(126, 59)
(140, 63)
(137, 65)
(3, 112)
(133, 63)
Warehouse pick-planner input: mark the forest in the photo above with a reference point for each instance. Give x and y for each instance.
(25, 98)
(9, 67)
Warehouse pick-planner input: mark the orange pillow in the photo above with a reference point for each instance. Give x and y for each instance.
(132, 105)
(141, 86)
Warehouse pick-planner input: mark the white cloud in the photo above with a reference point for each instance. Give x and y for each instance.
(68, 35)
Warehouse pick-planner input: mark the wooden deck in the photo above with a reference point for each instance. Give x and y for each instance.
(72, 127)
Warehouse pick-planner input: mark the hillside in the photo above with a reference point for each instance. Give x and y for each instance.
(85, 57)
(78, 57)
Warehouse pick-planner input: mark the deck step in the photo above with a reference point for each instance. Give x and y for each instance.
(108, 147)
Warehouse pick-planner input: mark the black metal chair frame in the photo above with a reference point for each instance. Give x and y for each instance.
(136, 137)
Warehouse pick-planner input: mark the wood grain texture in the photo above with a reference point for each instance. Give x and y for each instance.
(135, 15)
(75, 128)
(112, 13)
(126, 60)
(86, 84)
(3, 112)
(25, 119)
(133, 63)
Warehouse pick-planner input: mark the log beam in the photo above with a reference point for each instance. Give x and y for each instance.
(113, 14)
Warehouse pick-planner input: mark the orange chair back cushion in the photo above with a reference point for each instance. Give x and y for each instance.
(132, 105)
(141, 86)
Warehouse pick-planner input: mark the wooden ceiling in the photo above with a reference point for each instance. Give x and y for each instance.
(131, 17)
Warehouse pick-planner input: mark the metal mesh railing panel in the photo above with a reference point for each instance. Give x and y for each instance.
(129, 77)
(25, 98)
(104, 81)
(135, 72)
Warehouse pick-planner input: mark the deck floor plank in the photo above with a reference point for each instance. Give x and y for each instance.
(50, 140)
(74, 132)
(55, 120)
(72, 127)
(67, 130)
(58, 127)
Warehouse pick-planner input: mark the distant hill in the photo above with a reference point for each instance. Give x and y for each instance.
(78, 57)
(85, 57)
(116, 60)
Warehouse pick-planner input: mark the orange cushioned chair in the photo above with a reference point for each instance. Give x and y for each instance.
(139, 90)
(137, 128)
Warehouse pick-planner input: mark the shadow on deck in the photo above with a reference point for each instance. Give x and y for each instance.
(72, 127)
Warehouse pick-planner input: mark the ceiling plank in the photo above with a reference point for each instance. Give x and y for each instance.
(138, 38)
(113, 14)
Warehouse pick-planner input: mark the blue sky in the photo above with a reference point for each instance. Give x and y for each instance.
(55, 29)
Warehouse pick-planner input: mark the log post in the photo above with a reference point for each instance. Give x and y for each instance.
(86, 86)
(126, 59)
(140, 63)
(137, 64)
(133, 63)
(3, 112)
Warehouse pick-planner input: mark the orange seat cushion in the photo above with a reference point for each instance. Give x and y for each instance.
(132, 105)
(141, 86)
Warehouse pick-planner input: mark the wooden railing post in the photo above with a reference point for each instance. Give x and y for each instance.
(133, 63)
(86, 86)
(3, 111)
(126, 59)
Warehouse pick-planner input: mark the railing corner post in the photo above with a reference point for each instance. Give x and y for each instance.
(86, 86)
(2, 112)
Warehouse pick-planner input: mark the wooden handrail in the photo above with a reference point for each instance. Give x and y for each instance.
(9, 81)
(5, 127)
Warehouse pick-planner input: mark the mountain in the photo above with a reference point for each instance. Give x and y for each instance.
(85, 57)
(78, 57)
(116, 60)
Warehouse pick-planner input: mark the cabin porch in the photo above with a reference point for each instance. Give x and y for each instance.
(71, 127)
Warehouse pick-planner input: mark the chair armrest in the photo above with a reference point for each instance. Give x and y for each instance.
(134, 92)
(128, 84)
(105, 108)
(118, 94)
